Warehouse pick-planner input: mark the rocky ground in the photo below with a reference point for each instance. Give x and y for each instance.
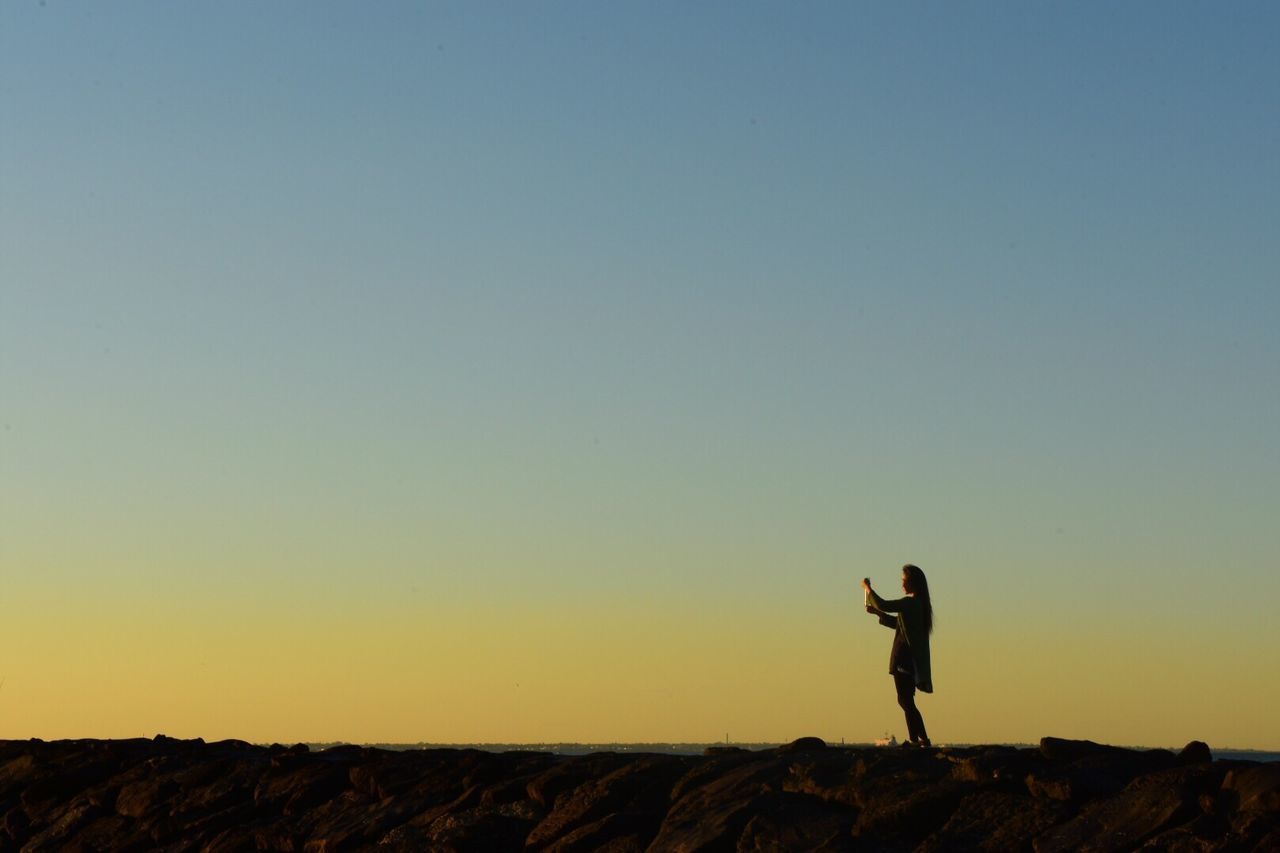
(1066, 795)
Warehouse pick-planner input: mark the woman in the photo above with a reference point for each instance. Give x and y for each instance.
(909, 659)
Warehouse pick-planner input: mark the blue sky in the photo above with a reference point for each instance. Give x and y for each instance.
(729, 304)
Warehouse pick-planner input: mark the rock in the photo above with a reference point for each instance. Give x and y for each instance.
(163, 793)
(300, 788)
(828, 777)
(1149, 805)
(502, 827)
(1003, 764)
(1255, 789)
(1195, 752)
(1255, 831)
(1201, 835)
(804, 744)
(1051, 787)
(1095, 773)
(709, 810)
(794, 822)
(996, 820)
(906, 819)
(136, 799)
(615, 832)
(640, 787)
(546, 787)
(15, 825)
(1061, 749)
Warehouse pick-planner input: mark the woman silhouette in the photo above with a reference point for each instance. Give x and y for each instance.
(912, 620)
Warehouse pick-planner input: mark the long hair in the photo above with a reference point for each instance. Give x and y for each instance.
(918, 585)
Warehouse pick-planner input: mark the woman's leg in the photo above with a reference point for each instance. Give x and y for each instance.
(906, 684)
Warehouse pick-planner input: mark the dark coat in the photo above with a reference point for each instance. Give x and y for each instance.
(908, 621)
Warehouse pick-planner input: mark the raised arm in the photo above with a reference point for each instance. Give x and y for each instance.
(896, 605)
(877, 606)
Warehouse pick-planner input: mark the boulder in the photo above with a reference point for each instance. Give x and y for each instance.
(994, 764)
(996, 820)
(710, 810)
(905, 819)
(617, 832)
(640, 787)
(796, 822)
(1255, 788)
(1195, 752)
(1149, 805)
(827, 776)
(804, 744)
(1062, 749)
(136, 799)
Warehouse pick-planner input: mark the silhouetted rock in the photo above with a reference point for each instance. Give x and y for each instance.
(997, 820)
(638, 788)
(1256, 788)
(164, 793)
(1196, 752)
(1061, 749)
(804, 744)
(1147, 806)
(710, 809)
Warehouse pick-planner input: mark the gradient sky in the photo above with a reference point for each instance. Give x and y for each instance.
(540, 372)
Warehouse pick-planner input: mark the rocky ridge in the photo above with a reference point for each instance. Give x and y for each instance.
(169, 794)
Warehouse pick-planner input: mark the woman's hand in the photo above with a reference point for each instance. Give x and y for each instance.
(866, 584)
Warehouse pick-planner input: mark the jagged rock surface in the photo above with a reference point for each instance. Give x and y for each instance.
(167, 794)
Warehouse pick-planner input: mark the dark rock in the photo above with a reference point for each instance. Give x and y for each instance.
(793, 822)
(302, 788)
(390, 774)
(804, 744)
(15, 825)
(1094, 774)
(60, 831)
(1255, 788)
(1201, 835)
(907, 819)
(639, 787)
(1195, 752)
(1061, 749)
(715, 767)
(710, 810)
(179, 795)
(616, 832)
(998, 764)
(1255, 831)
(546, 787)
(481, 828)
(1149, 805)
(136, 799)
(828, 776)
(1053, 787)
(996, 820)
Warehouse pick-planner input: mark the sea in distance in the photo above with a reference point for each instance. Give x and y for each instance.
(700, 748)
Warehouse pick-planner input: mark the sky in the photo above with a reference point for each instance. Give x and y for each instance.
(505, 372)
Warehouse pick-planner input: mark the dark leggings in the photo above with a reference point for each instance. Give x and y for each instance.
(906, 684)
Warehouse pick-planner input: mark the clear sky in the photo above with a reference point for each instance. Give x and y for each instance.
(538, 372)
